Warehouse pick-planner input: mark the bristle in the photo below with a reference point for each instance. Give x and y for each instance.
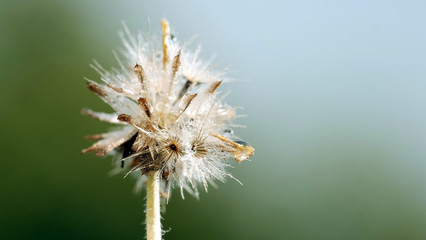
(199, 148)
(111, 140)
(116, 89)
(106, 117)
(185, 88)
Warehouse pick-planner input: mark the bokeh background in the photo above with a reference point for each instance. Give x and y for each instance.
(335, 92)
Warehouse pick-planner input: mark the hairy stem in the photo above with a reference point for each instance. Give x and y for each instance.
(153, 217)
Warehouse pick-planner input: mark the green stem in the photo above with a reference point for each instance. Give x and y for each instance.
(153, 217)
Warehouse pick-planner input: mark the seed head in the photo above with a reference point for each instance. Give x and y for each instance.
(170, 115)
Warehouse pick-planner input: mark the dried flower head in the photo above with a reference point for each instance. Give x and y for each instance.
(171, 117)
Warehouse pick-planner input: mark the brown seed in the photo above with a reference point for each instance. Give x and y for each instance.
(240, 152)
(176, 64)
(96, 136)
(188, 100)
(213, 87)
(96, 89)
(140, 72)
(124, 118)
(144, 106)
(101, 153)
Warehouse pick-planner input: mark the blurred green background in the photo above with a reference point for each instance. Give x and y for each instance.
(335, 92)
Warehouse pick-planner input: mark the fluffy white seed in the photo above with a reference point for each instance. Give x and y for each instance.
(175, 121)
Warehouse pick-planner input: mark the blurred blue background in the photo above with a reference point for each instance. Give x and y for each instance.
(335, 97)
